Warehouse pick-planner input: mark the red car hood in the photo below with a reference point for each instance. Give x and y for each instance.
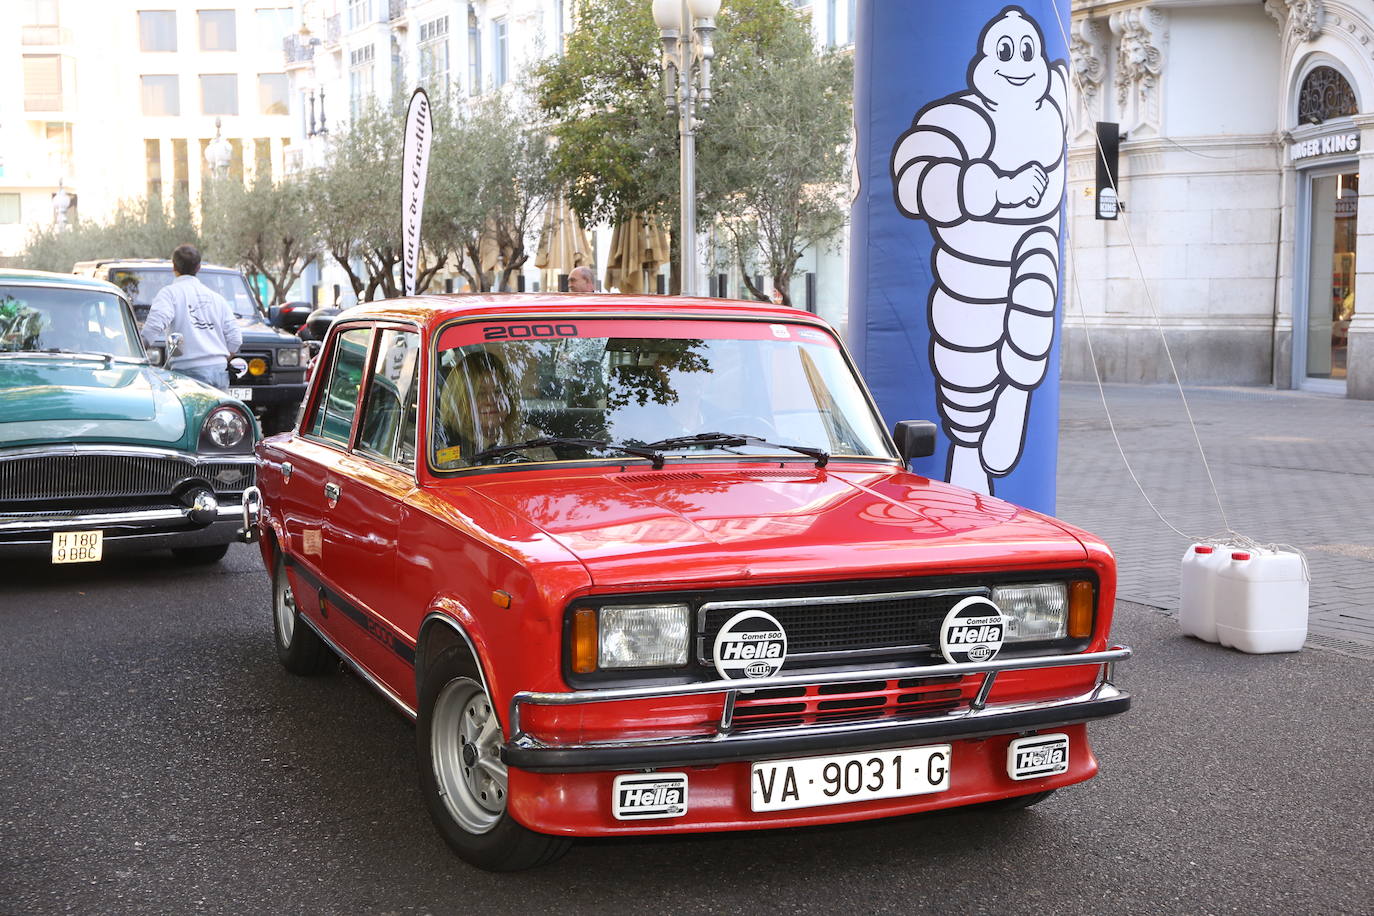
(697, 525)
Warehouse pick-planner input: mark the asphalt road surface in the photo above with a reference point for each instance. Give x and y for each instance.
(154, 758)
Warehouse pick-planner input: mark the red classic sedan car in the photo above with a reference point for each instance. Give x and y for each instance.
(652, 565)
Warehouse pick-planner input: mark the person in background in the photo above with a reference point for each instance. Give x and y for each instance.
(581, 280)
(209, 334)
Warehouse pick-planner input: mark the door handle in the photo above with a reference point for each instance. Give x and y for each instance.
(331, 493)
(286, 471)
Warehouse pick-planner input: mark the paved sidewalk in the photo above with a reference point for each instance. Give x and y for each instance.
(1291, 467)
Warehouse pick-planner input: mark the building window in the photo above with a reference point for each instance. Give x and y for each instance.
(434, 54)
(39, 12)
(181, 170)
(851, 25)
(152, 153)
(558, 27)
(273, 28)
(42, 82)
(219, 93)
(831, 13)
(9, 209)
(217, 30)
(157, 30)
(272, 91)
(1325, 95)
(236, 159)
(474, 53)
(500, 47)
(359, 13)
(161, 95)
(359, 78)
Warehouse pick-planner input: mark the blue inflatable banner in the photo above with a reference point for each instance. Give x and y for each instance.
(958, 228)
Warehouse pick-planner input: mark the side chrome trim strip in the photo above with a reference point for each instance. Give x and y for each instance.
(358, 669)
(140, 517)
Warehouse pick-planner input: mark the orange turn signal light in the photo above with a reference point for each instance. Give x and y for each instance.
(1080, 609)
(584, 641)
(500, 598)
(257, 366)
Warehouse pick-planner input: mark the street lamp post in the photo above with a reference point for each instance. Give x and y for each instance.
(218, 153)
(685, 28)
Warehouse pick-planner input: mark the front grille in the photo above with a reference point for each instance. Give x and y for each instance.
(842, 625)
(97, 476)
(861, 701)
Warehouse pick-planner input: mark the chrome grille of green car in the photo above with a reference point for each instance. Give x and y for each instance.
(105, 476)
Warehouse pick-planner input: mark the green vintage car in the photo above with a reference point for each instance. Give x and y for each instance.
(102, 452)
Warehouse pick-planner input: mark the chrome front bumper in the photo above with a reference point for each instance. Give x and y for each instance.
(726, 745)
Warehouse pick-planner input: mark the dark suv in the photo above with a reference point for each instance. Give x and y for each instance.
(268, 373)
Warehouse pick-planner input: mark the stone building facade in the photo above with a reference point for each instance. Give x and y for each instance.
(1246, 187)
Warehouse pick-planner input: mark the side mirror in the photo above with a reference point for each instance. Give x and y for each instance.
(173, 345)
(274, 316)
(156, 356)
(914, 438)
(293, 317)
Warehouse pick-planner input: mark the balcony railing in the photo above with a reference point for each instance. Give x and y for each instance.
(298, 50)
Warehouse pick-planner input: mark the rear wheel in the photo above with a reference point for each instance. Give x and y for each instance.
(299, 648)
(462, 776)
(200, 556)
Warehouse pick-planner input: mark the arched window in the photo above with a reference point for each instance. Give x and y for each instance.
(1325, 94)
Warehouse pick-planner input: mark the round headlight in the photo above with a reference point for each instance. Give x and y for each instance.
(225, 428)
(257, 366)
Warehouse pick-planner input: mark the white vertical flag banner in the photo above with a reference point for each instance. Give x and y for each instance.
(414, 166)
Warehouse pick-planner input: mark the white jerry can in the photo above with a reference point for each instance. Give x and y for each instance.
(1197, 590)
(1261, 601)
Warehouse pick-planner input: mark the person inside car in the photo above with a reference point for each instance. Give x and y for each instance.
(478, 410)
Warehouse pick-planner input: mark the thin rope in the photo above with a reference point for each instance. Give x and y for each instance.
(1149, 299)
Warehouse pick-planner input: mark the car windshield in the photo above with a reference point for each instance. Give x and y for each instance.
(142, 284)
(41, 319)
(584, 389)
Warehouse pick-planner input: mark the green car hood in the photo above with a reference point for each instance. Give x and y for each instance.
(46, 400)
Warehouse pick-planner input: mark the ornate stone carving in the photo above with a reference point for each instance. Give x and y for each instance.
(1304, 18)
(1088, 52)
(1141, 36)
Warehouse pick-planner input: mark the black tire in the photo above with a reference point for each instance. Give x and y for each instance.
(471, 813)
(1016, 803)
(299, 648)
(200, 556)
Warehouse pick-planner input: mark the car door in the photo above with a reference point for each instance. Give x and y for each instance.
(309, 472)
(372, 482)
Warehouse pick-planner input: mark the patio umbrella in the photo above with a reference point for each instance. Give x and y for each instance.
(638, 244)
(563, 244)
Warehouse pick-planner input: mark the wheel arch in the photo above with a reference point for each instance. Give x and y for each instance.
(443, 628)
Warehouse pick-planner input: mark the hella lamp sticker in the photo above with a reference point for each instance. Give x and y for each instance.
(972, 631)
(1038, 755)
(752, 644)
(642, 796)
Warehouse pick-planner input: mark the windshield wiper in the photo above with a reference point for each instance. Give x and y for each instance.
(549, 441)
(727, 440)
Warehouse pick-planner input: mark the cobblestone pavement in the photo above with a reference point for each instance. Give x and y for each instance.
(1290, 467)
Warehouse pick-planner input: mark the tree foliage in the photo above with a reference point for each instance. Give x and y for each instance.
(143, 228)
(264, 229)
(774, 150)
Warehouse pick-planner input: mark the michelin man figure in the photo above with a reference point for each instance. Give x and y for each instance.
(985, 169)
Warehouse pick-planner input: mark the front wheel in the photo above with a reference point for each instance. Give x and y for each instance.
(462, 776)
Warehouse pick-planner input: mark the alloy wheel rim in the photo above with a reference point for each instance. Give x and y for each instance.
(286, 609)
(465, 744)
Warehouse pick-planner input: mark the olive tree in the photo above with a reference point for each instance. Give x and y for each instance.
(264, 228)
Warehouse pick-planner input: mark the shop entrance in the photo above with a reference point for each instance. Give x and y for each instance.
(1331, 279)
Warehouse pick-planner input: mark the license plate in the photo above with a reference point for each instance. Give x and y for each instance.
(77, 546)
(808, 782)
(243, 394)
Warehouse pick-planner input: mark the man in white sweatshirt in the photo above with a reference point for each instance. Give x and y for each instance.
(209, 334)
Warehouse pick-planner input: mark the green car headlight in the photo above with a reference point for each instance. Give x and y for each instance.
(226, 429)
(1034, 612)
(643, 636)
